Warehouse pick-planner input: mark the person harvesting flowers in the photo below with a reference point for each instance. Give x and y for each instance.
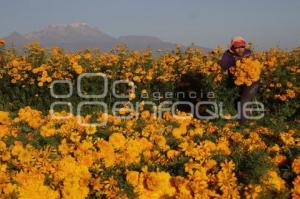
(243, 71)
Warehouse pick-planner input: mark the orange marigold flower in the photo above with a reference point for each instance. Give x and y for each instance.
(296, 165)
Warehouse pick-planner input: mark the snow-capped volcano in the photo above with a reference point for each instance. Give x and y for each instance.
(78, 36)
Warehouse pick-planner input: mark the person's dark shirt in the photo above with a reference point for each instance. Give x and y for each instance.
(229, 58)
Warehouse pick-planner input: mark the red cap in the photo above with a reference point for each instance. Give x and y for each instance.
(238, 41)
(238, 44)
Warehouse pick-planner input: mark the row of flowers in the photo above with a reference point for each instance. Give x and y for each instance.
(42, 156)
(39, 66)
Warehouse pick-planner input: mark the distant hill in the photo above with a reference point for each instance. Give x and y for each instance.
(79, 36)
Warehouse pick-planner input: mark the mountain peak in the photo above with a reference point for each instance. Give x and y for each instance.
(78, 24)
(74, 25)
(82, 28)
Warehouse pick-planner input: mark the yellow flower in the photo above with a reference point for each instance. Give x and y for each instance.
(132, 177)
(88, 55)
(107, 153)
(252, 191)
(77, 68)
(4, 117)
(274, 180)
(25, 156)
(227, 180)
(178, 132)
(132, 152)
(117, 140)
(136, 79)
(197, 131)
(296, 188)
(151, 184)
(145, 114)
(279, 159)
(63, 148)
(155, 181)
(171, 154)
(17, 148)
(287, 138)
(160, 141)
(2, 146)
(4, 130)
(31, 116)
(209, 164)
(132, 96)
(47, 130)
(296, 165)
(275, 148)
(290, 93)
(74, 176)
(91, 129)
(40, 84)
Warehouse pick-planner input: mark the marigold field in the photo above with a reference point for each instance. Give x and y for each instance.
(42, 156)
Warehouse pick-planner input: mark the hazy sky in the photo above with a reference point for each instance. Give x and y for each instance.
(267, 23)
